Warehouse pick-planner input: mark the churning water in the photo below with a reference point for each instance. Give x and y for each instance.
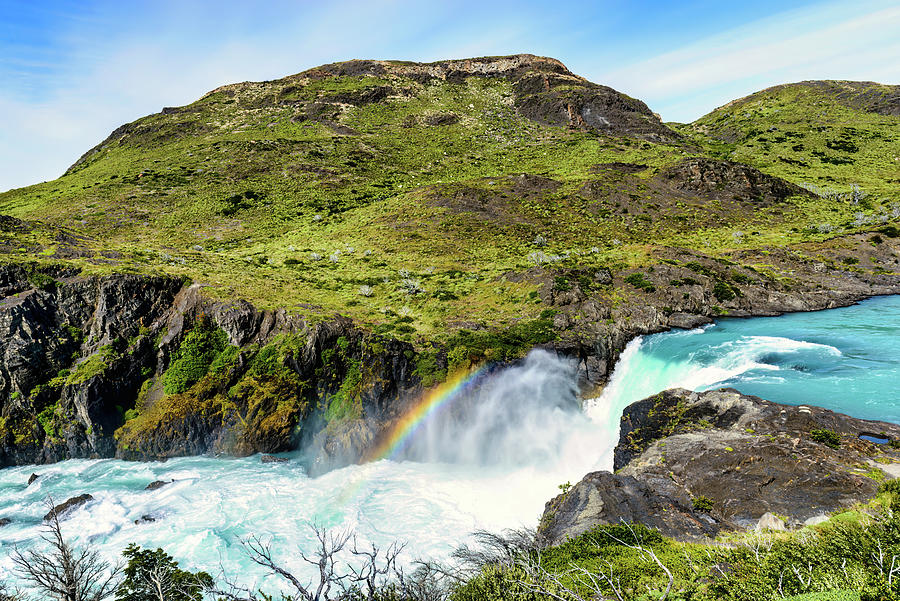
(846, 360)
(490, 460)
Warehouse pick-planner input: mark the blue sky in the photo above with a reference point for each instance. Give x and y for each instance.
(70, 72)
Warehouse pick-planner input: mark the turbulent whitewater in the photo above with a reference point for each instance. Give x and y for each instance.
(489, 459)
(846, 360)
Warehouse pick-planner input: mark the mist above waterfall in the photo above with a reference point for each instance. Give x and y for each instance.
(527, 414)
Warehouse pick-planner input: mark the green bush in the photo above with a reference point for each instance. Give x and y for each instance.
(146, 568)
(699, 268)
(640, 281)
(197, 352)
(561, 284)
(723, 292)
(49, 422)
(826, 596)
(702, 503)
(428, 369)
(829, 438)
(890, 486)
(42, 281)
(467, 346)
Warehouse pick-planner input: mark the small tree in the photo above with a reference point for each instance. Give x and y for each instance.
(155, 576)
(66, 573)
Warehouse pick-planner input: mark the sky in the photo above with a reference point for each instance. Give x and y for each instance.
(72, 71)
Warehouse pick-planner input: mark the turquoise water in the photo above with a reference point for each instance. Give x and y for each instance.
(846, 359)
(493, 465)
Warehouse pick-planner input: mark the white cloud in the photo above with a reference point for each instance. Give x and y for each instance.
(830, 42)
(139, 71)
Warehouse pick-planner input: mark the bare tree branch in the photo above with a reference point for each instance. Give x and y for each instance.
(64, 572)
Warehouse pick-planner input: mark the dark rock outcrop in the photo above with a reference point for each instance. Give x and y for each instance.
(145, 519)
(157, 484)
(272, 459)
(693, 464)
(59, 511)
(5, 522)
(123, 332)
(32, 478)
(728, 180)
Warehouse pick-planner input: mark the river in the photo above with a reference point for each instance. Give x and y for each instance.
(489, 459)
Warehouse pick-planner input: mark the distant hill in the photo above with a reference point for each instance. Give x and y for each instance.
(830, 133)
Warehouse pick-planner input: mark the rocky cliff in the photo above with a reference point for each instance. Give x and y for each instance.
(144, 367)
(83, 357)
(695, 464)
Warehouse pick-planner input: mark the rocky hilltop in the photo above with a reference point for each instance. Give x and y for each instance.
(696, 464)
(290, 262)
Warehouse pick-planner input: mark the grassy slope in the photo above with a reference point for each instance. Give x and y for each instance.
(243, 192)
(825, 134)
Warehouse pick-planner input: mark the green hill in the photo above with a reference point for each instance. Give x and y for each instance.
(828, 134)
(431, 193)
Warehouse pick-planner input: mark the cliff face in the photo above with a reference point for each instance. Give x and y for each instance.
(84, 356)
(689, 289)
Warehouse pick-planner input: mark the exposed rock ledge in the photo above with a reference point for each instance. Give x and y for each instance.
(694, 464)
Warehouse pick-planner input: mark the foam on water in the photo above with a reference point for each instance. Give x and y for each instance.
(490, 459)
(844, 359)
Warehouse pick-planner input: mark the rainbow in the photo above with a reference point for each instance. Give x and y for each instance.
(405, 428)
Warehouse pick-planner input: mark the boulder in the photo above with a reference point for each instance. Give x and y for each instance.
(5, 522)
(815, 520)
(32, 478)
(145, 519)
(273, 459)
(770, 521)
(727, 180)
(60, 510)
(602, 498)
(158, 484)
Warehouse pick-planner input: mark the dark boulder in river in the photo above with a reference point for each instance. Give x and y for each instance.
(157, 484)
(32, 478)
(693, 464)
(145, 519)
(273, 459)
(63, 508)
(5, 522)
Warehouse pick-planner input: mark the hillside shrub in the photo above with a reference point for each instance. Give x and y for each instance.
(467, 347)
(153, 574)
(829, 438)
(640, 281)
(198, 349)
(723, 292)
(702, 503)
